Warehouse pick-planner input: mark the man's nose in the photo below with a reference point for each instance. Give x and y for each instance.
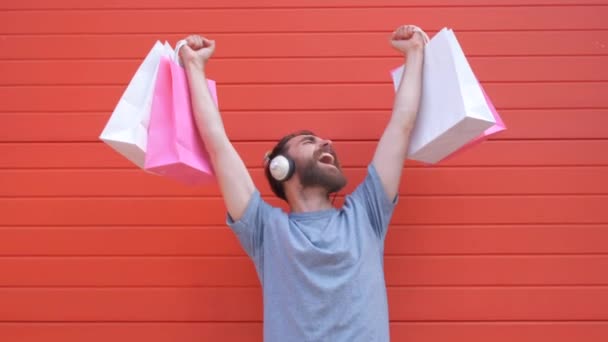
(326, 142)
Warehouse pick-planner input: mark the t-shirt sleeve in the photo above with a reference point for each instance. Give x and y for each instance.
(370, 194)
(249, 229)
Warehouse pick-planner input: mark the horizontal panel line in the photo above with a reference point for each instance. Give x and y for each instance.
(392, 321)
(259, 111)
(294, 33)
(394, 226)
(210, 33)
(25, 59)
(397, 226)
(126, 287)
(412, 167)
(298, 7)
(414, 287)
(409, 167)
(277, 84)
(531, 321)
(288, 58)
(265, 141)
(245, 58)
(294, 110)
(341, 195)
(239, 84)
(597, 224)
(122, 322)
(266, 197)
(518, 255)
(258, 287)
(362, 166)
(231, 322)
(242, 256)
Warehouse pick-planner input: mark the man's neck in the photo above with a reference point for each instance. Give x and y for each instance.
(309, 200)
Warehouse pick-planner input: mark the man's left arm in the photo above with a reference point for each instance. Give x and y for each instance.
(392, 148)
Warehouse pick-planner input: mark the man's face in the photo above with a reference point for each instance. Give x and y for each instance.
(316, 163)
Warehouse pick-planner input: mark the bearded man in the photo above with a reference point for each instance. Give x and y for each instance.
(320, 267)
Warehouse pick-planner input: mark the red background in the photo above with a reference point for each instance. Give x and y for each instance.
(506, 242)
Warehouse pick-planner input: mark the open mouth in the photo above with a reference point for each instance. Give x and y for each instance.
(327, 158)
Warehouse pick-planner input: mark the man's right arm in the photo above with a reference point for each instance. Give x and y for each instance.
(234, 180)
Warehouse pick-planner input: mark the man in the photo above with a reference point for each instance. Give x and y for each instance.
(321, 268)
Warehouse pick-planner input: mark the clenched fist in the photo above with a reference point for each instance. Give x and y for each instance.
(406, 39)
(197, 51)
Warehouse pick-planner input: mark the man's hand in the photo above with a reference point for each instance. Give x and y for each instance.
(406, 39)
(197, 52)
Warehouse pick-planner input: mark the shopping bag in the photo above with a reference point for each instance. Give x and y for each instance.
(127, 129)
(175, 148)
(499, 126)
(454, 112)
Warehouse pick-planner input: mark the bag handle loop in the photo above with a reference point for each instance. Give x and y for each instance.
(180, 44)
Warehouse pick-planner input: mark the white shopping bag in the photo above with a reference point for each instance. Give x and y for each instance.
(453, 109)
(127, 129)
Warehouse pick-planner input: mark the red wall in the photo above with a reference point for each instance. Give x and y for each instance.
(506, 242)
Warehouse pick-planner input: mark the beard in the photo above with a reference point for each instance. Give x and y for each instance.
(313, 175)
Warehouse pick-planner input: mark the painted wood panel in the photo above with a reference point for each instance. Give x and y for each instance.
(507, 241)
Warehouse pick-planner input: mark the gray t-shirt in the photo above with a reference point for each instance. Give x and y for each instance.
(321, 272)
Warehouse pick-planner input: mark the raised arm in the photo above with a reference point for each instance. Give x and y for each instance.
(234, 180)
(392, 148)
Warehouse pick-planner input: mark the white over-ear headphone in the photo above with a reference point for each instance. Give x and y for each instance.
(281, 168)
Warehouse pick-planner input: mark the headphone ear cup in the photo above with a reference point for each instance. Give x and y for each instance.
(281, 168)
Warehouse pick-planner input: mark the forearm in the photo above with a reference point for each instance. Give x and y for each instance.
(407, 97)
(233, 178)
(206, 114)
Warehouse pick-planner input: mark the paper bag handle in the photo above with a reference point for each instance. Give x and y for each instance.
(180, 44)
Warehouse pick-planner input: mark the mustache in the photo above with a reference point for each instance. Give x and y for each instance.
(326, 149)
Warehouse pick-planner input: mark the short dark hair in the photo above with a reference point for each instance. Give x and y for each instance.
(280, 148)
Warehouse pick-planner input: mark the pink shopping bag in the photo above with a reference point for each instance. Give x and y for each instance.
(175, 148)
